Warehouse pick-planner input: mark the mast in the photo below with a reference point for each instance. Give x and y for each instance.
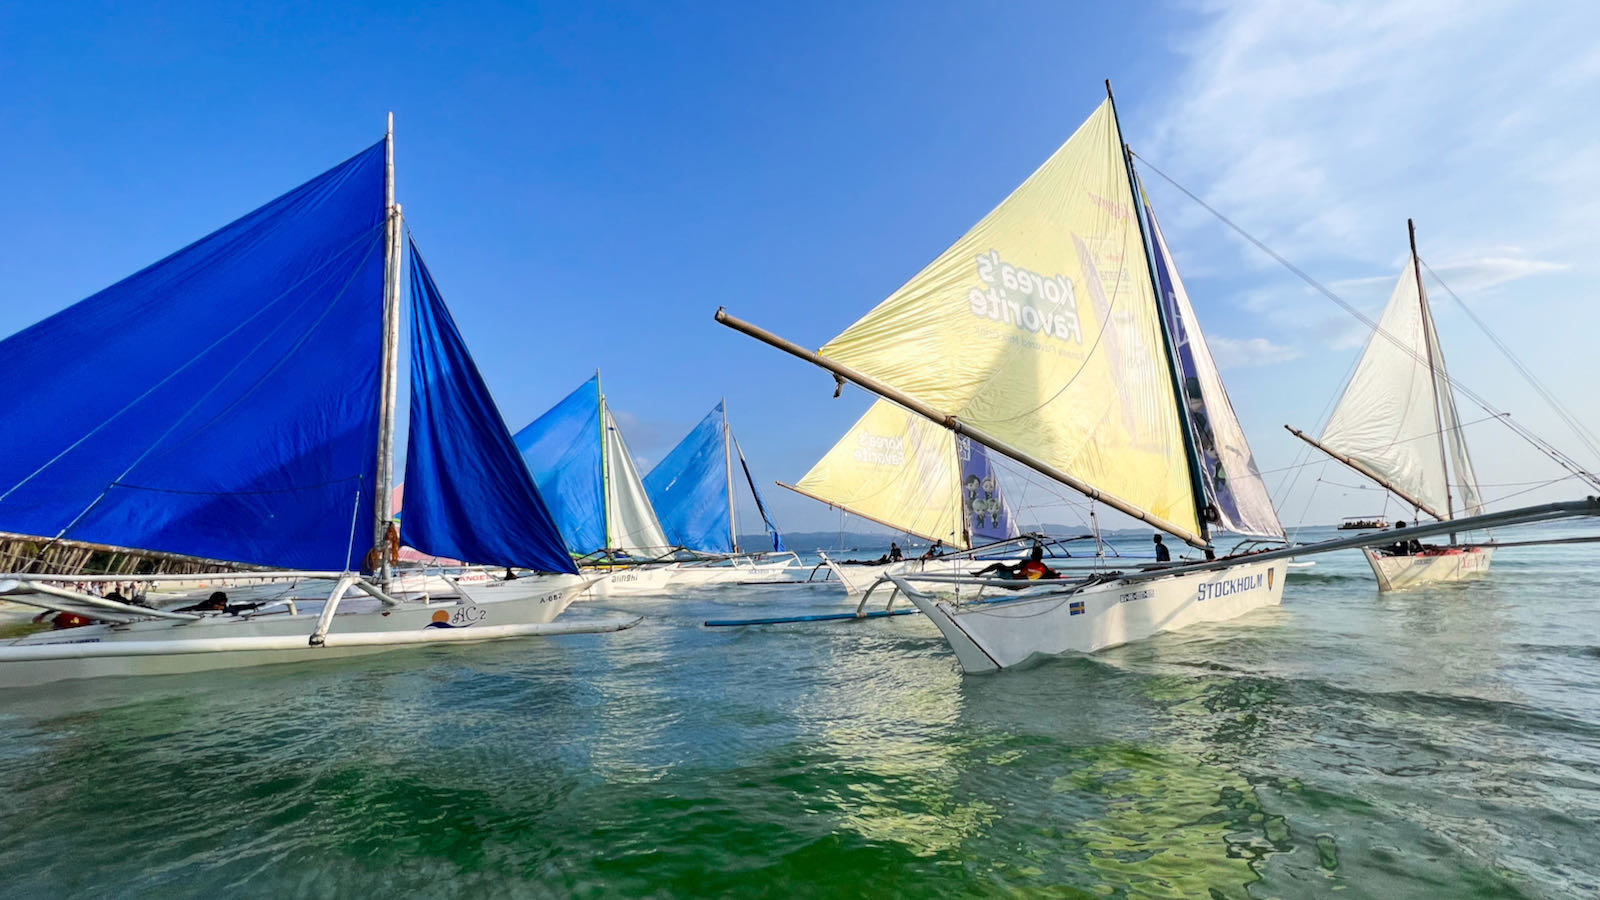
(389, 384)
(1366, 470)
(1433, 371)
(605, 462)
(727, 465)
(899, 398)
(1168, 340)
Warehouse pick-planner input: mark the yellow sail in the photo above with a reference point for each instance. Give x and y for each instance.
(1039, 328)
(897, 469)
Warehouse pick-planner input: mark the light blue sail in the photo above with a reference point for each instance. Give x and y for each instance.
(220, 403)
(563, 451)
(468, 494)
(689, 489)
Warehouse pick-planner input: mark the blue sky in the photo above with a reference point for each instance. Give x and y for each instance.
(590, 183)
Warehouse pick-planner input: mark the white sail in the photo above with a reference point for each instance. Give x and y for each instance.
(1464, 485)
(1039, 329)
(1387, 417)
(630, 521)
(1233, 484)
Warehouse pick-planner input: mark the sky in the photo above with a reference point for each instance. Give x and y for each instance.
(591, 182)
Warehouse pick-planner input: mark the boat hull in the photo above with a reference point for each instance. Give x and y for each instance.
(735, 571)
(1397, 573)
(858, 579)
(361, 627)
(998, 635)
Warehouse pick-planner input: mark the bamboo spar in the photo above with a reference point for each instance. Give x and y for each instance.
(874, 386)
(1367, 471)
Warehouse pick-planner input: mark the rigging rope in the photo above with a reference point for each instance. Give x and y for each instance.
(1560, 458)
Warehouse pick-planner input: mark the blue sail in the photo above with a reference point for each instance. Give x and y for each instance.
(562, 450)
(761, 505)
(220, 403)
(468, 494)
(689, 489)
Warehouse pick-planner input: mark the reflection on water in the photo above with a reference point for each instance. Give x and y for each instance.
(1441, 742)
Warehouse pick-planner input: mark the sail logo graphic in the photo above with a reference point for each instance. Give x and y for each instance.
(462, 617)
(1232, 586)
(1025, 299)
(880, 450)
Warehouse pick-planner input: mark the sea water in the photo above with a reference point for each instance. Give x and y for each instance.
(1441, 742)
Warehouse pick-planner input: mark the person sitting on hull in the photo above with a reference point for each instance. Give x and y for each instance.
(1030, 569)
(935, 551)
(1404, 547)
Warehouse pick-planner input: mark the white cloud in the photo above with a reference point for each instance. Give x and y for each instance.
(1244, 353)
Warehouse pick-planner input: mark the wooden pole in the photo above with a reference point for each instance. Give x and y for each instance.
(951, 422)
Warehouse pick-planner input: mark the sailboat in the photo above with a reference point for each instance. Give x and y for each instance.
(1396, 423)
(581, 463)
(692, 492)
(899, 470)
(235, 401)
(1045, 334)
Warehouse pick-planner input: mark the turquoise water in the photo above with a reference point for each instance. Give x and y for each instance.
(1437, 743)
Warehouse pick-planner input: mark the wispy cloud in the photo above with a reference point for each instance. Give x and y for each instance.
(1322, 126)
(1244, 353)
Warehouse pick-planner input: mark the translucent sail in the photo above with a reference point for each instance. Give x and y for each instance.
(632, 521)
(689, 489)
(895, 468)
(984, 508)
(1386, 419)
(562, 451)
(1039, 328)
(471, 496)
(1232, 481)
(220, 403)
(755, 492)
(1465, 483)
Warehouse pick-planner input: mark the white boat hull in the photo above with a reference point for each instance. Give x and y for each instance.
(997, 635)
(629, 581)
(739, 570)
(362, 626)
(1397, 573)
(858, 579)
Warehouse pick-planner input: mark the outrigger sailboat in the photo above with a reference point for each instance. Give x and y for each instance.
(897, 469)
(692, 492)
(1396, 423)
(235, 401)
(1056, 333)
(1042, 335)
(581, 463)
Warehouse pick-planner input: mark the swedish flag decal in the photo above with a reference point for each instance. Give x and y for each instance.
(1075, 608)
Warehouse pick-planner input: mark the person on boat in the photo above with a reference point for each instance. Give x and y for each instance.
(217, 602)
(1162, 553)
(1404, 547)
(60, 619)
(1030, 569)
(936, 551)
(510, 575)
(894, 552)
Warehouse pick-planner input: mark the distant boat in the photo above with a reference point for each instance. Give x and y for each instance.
(235, 401)
(692, 490)
(582, 465)
(1055, 332)
(1363, 523)
(1396, 423)
(898, 469)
